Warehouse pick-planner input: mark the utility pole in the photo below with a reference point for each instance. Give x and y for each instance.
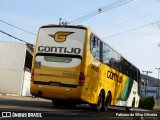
(63, 22)
(146, 79)
(158, 82)
(60, 21)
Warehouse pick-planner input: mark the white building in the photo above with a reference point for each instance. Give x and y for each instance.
(149, 87)
(15, 65)
(150, 91)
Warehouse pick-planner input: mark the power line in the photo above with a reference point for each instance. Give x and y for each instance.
(130, 30)
(100, 10)
(130, 20)
(15, 38)
(97, 11)
(17, 27)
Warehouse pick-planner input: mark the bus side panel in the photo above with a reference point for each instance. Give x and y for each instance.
(97, 79)
(102, 77)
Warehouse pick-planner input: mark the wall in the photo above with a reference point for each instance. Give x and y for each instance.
(12, 55)
(11, 81)
(12, 60)
(26, 84)
(150, 91)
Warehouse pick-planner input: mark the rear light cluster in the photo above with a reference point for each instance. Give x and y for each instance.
(32, 74)
(81, 78)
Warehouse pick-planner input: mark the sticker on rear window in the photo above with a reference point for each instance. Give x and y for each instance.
(57, 59)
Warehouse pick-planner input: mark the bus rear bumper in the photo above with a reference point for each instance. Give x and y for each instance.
(58, 92)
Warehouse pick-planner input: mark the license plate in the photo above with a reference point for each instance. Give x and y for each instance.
(54, 83)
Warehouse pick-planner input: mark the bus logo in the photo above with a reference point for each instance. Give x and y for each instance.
(60, 36)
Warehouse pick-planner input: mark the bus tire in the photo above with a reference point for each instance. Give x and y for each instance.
(69, 104)
(57, 103)
(97, 107)
(129, 109)
(106, 103)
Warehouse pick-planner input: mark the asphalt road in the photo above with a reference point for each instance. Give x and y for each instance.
(16, 107)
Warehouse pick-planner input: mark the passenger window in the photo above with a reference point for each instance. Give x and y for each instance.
(107, 54)
(95, 46)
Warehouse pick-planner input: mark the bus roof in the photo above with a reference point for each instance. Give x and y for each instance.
(65, 26)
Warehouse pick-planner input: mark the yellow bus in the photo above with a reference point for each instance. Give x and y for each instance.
(72, 65)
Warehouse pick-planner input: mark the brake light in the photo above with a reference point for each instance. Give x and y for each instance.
(32, 74)
(81, 78)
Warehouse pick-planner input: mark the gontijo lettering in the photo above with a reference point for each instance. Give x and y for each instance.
(54, 49)
(114, 76)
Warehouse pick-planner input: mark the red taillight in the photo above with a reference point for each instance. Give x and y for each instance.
(81, 78)
(32, 74)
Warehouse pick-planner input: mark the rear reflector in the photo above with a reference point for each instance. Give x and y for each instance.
(32, 74)
(81, 78)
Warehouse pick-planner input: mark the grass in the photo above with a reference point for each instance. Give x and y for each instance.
(156, 107)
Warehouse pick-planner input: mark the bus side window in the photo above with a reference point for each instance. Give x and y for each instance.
(92, 41)
(95, 46)
(107, 53)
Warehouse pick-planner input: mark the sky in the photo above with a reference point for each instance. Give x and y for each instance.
(133, 29)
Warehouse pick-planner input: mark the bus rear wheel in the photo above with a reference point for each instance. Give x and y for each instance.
(106, 103)
(57, 103)
(98, 106)
(129, 109)
(69, 104)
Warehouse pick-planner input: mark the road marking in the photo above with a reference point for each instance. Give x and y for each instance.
(28, 108)
(6, 106)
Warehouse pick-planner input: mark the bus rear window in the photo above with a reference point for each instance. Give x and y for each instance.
(57, 59)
